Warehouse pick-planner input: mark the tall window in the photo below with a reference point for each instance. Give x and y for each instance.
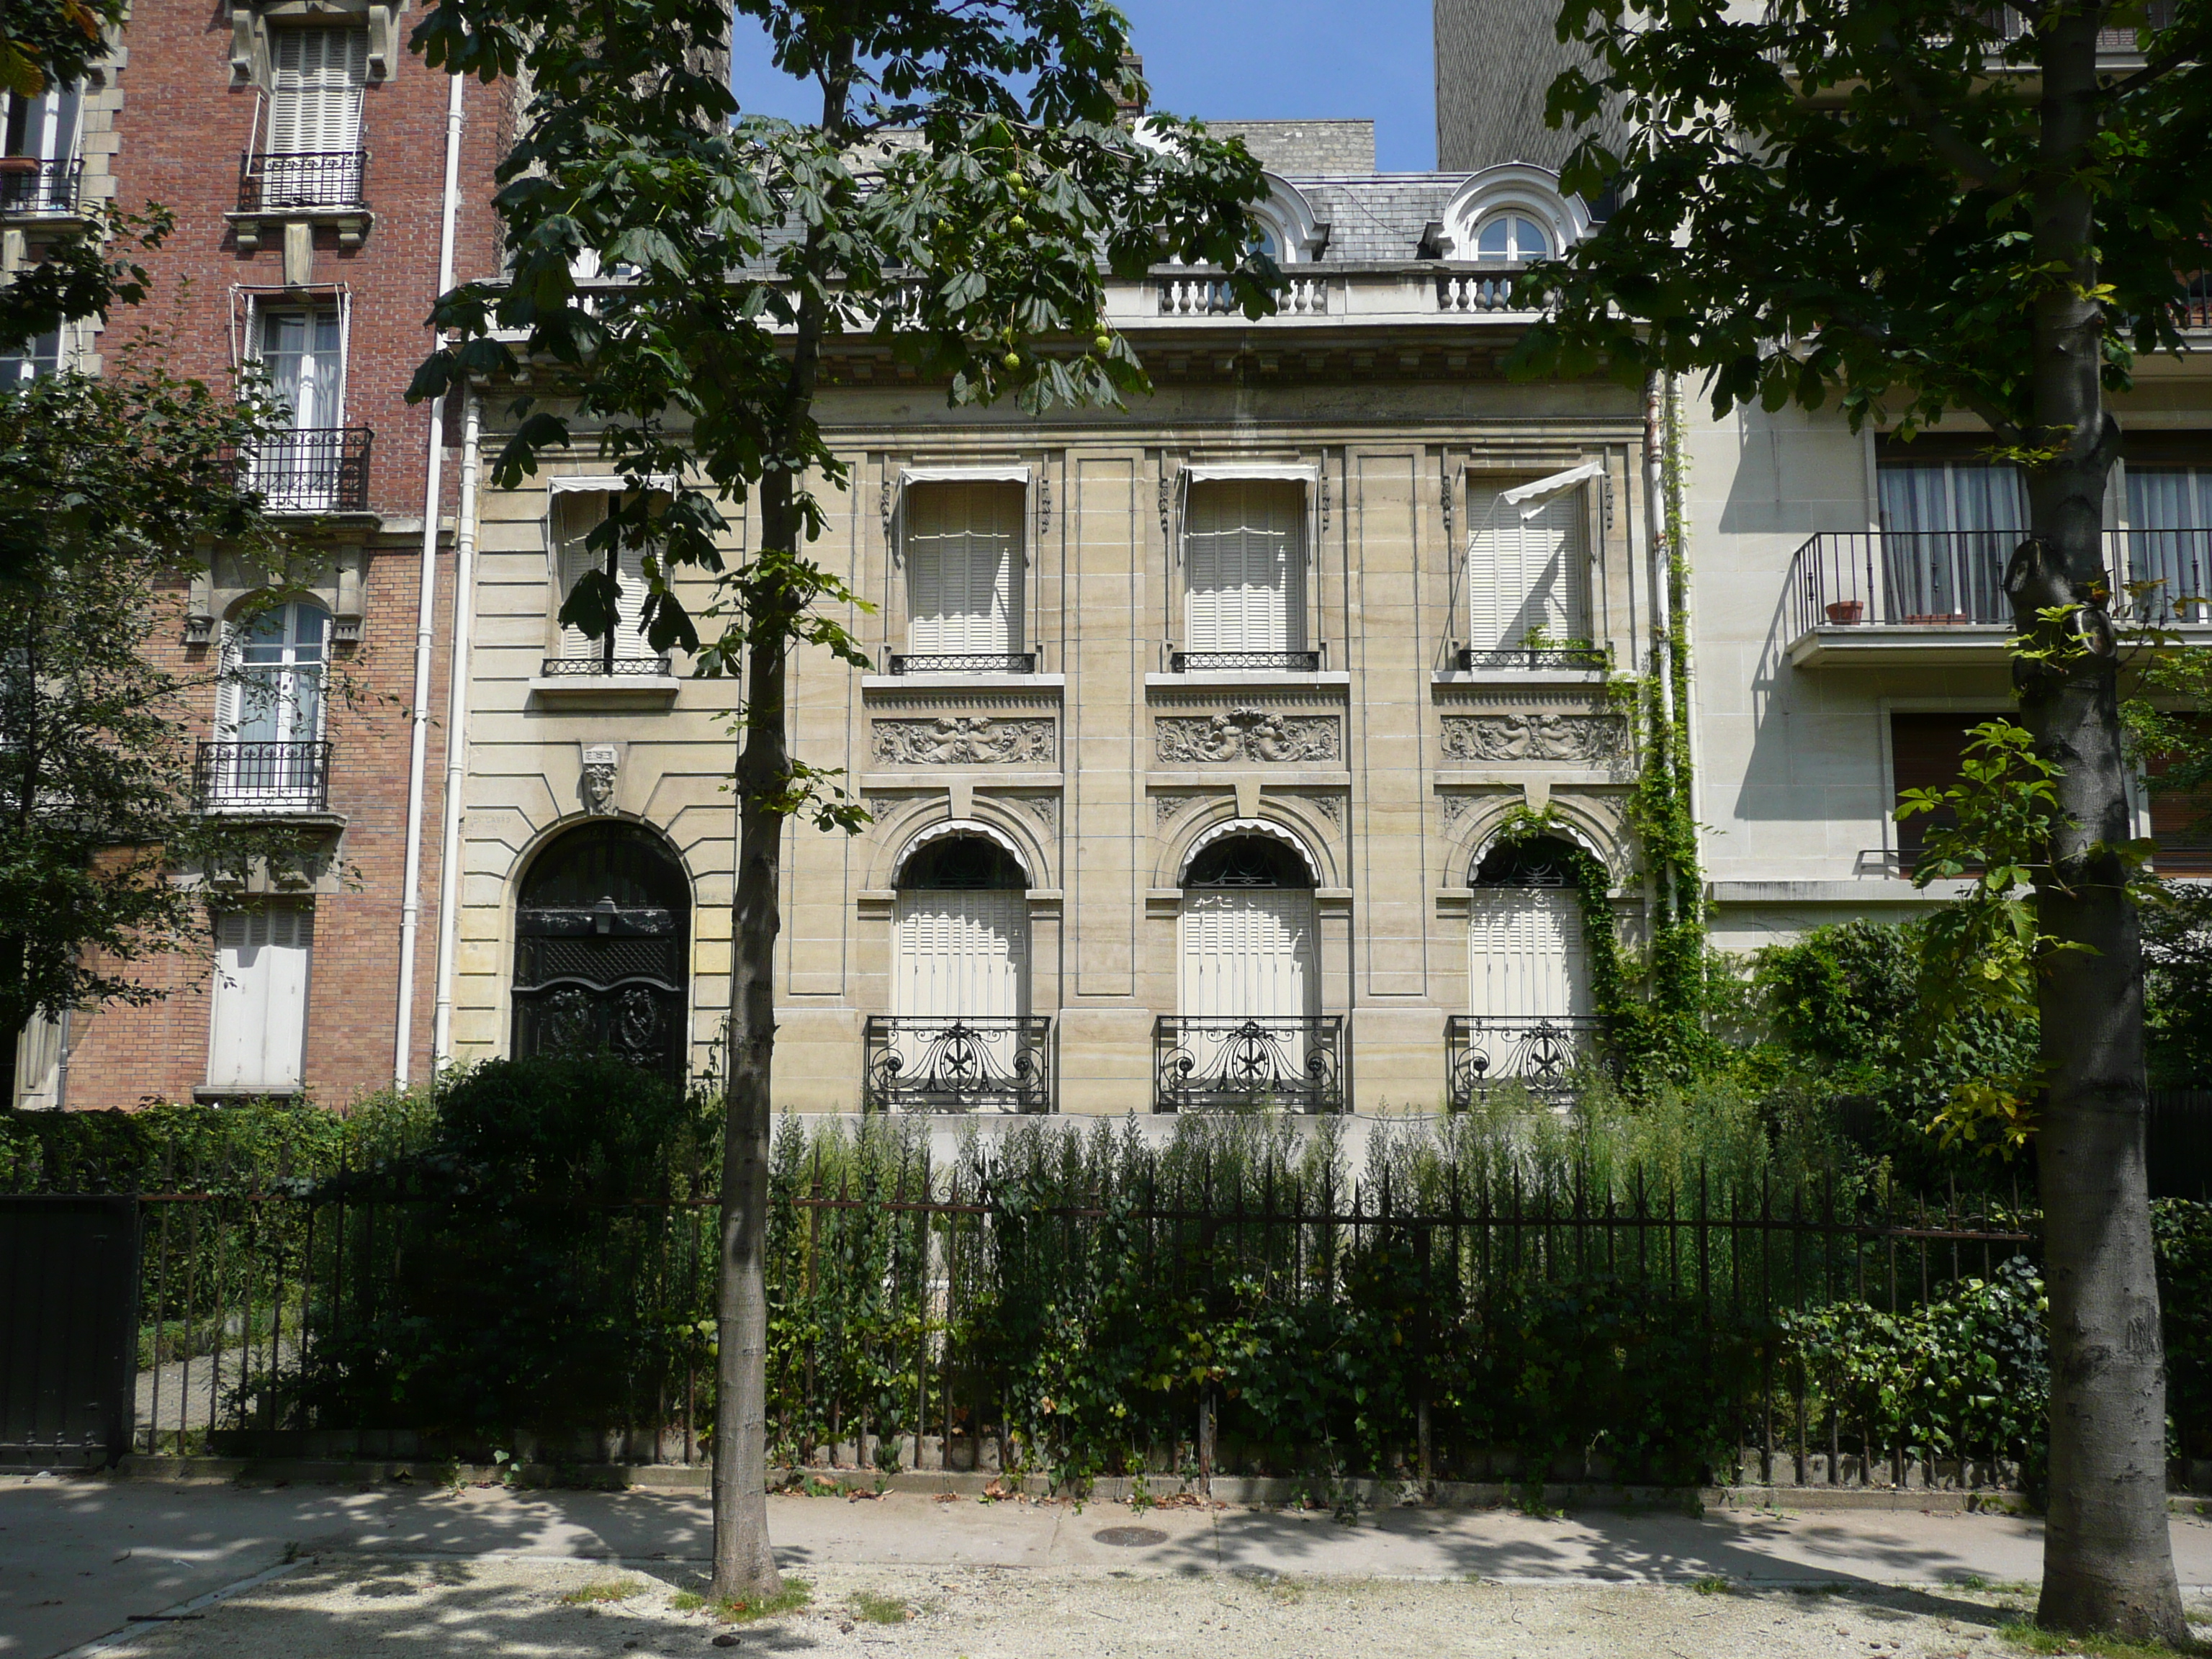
(1925, 750)
(257, 1034)
(1526, 574)
(962, 548)
(1246, 931)
(42, 356)
(314, 117)
(2170, 534)
(37, 150)
(303, 349)
(1527, 960)
(1244, 560)
(576, 514)
(1948, 529)
(269, 717)
(1512, 237)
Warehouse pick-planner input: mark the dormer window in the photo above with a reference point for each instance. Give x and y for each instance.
(1513, 239)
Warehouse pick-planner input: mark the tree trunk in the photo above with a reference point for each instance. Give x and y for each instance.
(2108, 1556)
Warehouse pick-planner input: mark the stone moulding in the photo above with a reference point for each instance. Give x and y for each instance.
(1249, 734)
(1575, 739)
(962, 740)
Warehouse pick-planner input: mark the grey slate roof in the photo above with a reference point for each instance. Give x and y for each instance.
(1380, 217)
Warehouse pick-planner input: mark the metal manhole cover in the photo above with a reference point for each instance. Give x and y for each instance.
(1131, 1537)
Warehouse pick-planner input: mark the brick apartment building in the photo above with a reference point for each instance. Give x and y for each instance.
(303, 150)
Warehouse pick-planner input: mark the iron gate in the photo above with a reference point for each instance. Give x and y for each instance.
(68, 1299)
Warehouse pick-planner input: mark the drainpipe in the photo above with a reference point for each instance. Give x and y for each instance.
(457, 717)
(1654, 543)
(418, 752)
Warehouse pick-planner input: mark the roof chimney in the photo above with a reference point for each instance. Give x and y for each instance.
(1129, 96)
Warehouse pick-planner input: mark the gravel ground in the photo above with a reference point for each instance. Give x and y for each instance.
(334, 1607)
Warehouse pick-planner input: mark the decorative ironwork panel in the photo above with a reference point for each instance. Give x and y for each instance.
(1249, 734)
(931, 1064)
(1575, 739)
(318, 470)
(268, 777)
(966, 662)
(1542, 1055)
(312, 179)
(28, 184)
(1292, 1063)
(565, 668)
(1260, 662)
(962, 740)
(638, 1022)
(1532, 657)
(595, 961)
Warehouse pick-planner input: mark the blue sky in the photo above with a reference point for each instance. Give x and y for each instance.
(1242, 59)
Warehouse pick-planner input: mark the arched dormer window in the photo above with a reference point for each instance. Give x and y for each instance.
(1511, 238)
(1510, 215)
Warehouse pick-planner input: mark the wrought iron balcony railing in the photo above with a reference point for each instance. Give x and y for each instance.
(1531, 656)
(1956, 578)
(1542, 1054)
(1260, 662)
(602, 667)
(261, 777)
(984, 1064)
(964, 662)
(31, 185)
(1293, 1063)
(319, 470)
(270, 183)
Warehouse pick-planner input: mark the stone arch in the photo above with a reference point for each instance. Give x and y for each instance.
(911, 824)
(1277, 820)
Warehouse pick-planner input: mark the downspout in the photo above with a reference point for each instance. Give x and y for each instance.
(1655, 547)
(1679, 602)
(457, 716)
(418, 752)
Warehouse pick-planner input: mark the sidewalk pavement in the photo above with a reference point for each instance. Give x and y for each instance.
(78, 1557)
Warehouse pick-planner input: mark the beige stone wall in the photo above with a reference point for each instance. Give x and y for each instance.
(1394, 806)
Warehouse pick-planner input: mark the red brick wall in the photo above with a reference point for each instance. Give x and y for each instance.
(179, 133)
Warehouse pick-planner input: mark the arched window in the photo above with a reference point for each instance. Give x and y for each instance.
(1511, 238)
(602, 946)
(959, 1036)
(1527, 958)
(269, 746)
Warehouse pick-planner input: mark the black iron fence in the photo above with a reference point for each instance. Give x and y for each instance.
(1954, 578)
(979, 1064)
(1290, 1062)
(963, 662)
(1487, 1327)
(1544, 1055)
(261, 777)
(312, 179)
(1263, 662)
(316, 470)
(30, 184)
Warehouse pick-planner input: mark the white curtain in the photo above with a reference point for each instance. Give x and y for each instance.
(1527, 959)
(273, 694)
(1948, 530)
(2167, 539)
(258, 1031)
(1524, 574)
(962, 548)
(303, 352)
(575, 514)
(314, 103)
(1244, 560)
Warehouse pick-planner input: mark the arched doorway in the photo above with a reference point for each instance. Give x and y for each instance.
(960, 1037)
(602, 946)
(1248, 1030)
(1530, 1006)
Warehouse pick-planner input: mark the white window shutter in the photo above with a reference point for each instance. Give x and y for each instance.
(959, 955)
(1244, 566)
(1527, 959)
(314, 103)
(258, 1030)
(962, 548)
(576, 514)
(1248, 954)
(1524, 573)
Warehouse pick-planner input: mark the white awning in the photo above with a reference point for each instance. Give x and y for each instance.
(1266, 827)
(1290, 471)
(945, 828)
(605, 482)
(1006, 474)
(1551, 486)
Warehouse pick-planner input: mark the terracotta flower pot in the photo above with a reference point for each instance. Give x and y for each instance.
(1847, 610)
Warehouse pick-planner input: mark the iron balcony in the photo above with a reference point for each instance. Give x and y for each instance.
(963, 662)
(275, 183)
(1292, 1063)
(1541, 1052)
(1259, 662)
(602, 666)
(317, 469)
(960, 1063)
(261, 777)
(29, 184)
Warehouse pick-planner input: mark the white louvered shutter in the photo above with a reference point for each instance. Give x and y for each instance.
(962, 955)
(1524, 574)
(964, 558)
(1244, 566)
(259, 1030)
(314, 103)
(1527, 958)
(1248, 954)
(575, 514)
